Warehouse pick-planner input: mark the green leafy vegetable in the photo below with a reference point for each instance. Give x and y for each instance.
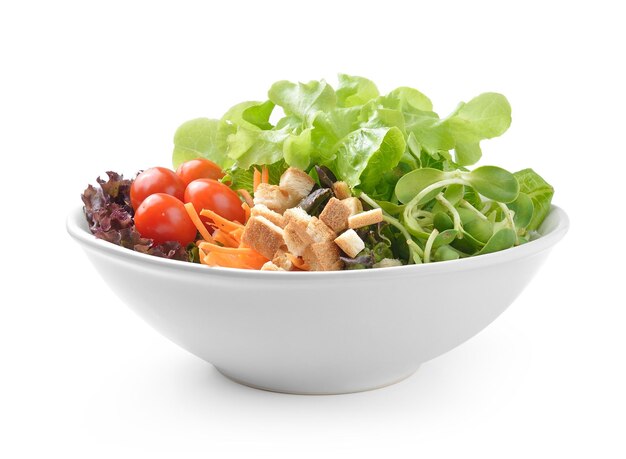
(353, 91)
(202, 138)
(539, 191)
(365, 154)
(395, 152)
(494, 183)
(303, 100)
(297, 149)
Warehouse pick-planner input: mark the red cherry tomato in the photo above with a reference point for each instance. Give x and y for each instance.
(199, 168)
(156, 180)
(163, 218)
(213, 195)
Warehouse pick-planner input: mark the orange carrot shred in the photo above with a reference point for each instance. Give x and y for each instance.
(232, 261)
(246, 210)
(256, 179)
(237, 234)
(265, 175)
(220, 249)
(225, 239)
(245, 194)
(298, 262)
(204, 232)
(220, 221)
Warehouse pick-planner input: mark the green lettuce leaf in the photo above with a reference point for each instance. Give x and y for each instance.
(248, 147)
(373, 115)
(407, 100)
(202, 138)
(539, 191)
(329, 128)
(354, 91)
(365, 155)
(251, 114)
(467, 153)
(430, 131)
(239, 178)
(484, 117)
(297, 149)
(303, 100)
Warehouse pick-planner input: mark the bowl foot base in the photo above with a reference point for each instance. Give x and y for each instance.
(281, 390)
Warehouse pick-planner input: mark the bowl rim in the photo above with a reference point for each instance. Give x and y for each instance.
(76, 226)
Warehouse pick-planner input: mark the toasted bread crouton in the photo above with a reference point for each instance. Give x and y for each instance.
(297, 183)
(297, 214)
(303, 230)
(282, 260)
(320, 231)
(323, 256)
(354, 204)
(341, 190)
(335, 215)
(269, 266)
(263, 236)
(264, 211)
(387, 263)
(296, 236)
(350, 243)
(272, 196)
(365, 218)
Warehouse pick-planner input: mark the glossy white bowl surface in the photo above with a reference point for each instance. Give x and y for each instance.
(319, 332)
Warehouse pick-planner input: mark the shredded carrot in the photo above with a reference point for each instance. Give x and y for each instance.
(255, 262)
(237, 234)
(246, 210)
(223, 260)
(298, 262)
(225, 239)
(224, 247)
(232, 257)
(202, 254)
(204, 232)
(265, 175)
(245, 194)
(220, 221)
(256, 179)
(220, 249)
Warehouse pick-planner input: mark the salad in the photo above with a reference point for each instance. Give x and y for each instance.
(321, 179)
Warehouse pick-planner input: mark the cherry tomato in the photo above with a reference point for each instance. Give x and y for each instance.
(156, 180)
(210, 194)
(199, 168)
(163, 217)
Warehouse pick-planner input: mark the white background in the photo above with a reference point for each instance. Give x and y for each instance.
(87, 87)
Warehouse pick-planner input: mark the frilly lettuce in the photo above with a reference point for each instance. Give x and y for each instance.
(367, 139)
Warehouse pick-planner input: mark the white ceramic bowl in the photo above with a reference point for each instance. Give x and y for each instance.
(319, 332)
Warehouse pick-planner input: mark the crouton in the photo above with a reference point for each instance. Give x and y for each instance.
(335, 215)
(263, 236)
(350, 243)
(319, 231)
(272, 196)
(282, 260)
(263, 211)
(323, 256)
(269, 266)
(301, 230)
(354, 204)
(297, 183)
(365, 218)
(387, 263)
(341, 190)
(296, 236)
(297, 214)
